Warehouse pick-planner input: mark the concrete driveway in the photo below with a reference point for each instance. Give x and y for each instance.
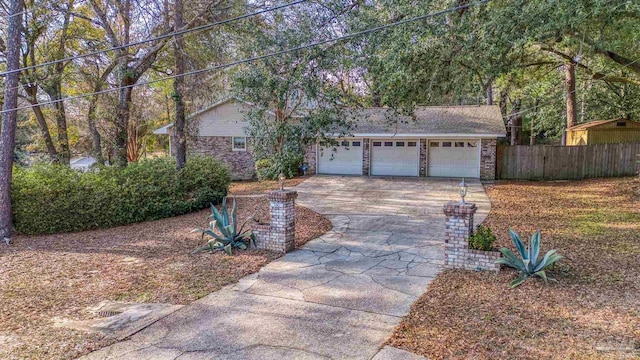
(339, 297)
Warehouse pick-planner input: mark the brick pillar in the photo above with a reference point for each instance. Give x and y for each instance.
(280, 234)
(458, 229)
(423, 157)
(366, 156)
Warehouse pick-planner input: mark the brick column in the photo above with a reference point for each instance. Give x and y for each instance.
(280, 234)
(423, 157)
(366, 156)
(459, 227)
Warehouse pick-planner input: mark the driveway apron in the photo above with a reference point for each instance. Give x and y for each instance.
(338, 297)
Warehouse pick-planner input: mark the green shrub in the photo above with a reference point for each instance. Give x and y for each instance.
(224, 231)
(52, 199)
(529, 264)
(482, 239)
(287, 163)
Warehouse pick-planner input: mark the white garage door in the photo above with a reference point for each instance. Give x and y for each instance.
(346, 160)
(394, 157)
(454, 158)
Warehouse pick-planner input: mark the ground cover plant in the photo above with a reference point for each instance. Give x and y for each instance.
(591, 312)
(59, 276)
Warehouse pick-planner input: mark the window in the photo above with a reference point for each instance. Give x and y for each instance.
(345, 143)
(472, 144)
(621, 124)
(446, 144)
(377, 143)
(239, 143)
(388, 143)
(355, 143)
(400, 143)
(434, 144)
(459, 144)
(411, 144)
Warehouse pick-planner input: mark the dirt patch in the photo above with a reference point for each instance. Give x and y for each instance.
(61, 276)
(590, 312)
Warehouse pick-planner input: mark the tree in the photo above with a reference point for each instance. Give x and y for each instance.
(296, 96)
(178, 84)
(9, 115)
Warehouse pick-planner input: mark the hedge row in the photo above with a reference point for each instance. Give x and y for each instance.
(52, 199)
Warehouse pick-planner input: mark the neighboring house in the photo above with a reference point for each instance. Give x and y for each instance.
(604, 132)
(440, 141)
(82, 163)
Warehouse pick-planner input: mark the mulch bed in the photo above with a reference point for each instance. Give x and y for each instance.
(43, 277)
(592, 311)
(251, 187)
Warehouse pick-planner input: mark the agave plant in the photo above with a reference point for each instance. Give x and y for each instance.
(224, 232)
(528, 265)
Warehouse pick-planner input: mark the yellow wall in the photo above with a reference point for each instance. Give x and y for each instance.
(577, 137)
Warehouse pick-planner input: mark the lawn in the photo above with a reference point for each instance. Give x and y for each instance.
(591, 312)
(60, 276)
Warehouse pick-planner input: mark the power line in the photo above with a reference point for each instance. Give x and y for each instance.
(160, 37)
(260, 57)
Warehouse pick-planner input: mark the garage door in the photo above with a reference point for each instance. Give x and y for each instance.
(346, 160)
(394, 157)
(454, 158)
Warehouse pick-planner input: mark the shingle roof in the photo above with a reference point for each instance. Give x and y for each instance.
(466, 119)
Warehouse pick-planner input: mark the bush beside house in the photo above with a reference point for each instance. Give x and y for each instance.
(51, 199)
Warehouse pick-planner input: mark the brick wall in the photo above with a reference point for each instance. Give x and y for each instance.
(241, 164)
(488, 159)
(459, 227)
(366, 156)
(310, 160)
(423, 157)
(280, 234)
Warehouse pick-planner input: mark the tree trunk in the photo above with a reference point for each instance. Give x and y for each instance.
(515, 119)
(96, 139)
(122, 124)
(178, 87)
(570, 85)
(61, 123)
(32, 93)
(9, 115)
(489, 92)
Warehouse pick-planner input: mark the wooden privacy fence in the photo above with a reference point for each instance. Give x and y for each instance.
(550, 162)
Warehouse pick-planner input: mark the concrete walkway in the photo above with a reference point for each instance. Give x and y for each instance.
(339, 297)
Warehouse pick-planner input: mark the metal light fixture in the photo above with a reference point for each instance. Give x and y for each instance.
(281, 178)
(463, 191)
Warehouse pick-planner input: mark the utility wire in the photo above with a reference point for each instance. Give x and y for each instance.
(260, 57)
(156, 38)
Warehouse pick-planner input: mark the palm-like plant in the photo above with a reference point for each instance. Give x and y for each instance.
(528, 265)
(224, 232)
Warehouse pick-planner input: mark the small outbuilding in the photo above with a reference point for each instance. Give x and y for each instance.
(604, 132)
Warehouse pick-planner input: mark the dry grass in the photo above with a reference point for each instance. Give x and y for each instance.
(261, 187)
(42, 277)
(591, 312)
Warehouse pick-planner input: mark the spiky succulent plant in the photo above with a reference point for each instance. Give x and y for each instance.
(224, 232)
(528, 264)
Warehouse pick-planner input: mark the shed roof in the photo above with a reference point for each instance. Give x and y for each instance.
(591, 124)
(439, 120)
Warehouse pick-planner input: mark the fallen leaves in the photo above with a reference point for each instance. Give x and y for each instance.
(61, 275)
(590, 312)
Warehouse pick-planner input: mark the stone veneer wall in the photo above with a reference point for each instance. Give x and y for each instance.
(241, 164)
(488, 155)
(459, 227)
(366, 156)
(310, 160)
(423, 158)
(280, 234)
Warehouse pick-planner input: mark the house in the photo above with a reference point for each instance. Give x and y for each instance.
(604, 132)
(439, 141)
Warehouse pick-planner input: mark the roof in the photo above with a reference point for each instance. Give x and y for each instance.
(591, 124)
(163, 130)
(432, 120)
